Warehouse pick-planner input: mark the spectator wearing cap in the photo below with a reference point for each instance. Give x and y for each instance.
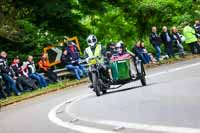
(71, 65)
(33, 73)
(74, 56)
(7, 75)
(167, 41)
(44, 66)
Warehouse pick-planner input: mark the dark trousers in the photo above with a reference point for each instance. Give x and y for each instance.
(195, 48)
(26, 83)
(169, 49)
(1, 90)
(52, 76)
(10, 83)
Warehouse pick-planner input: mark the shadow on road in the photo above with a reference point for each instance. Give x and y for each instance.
(126, 89)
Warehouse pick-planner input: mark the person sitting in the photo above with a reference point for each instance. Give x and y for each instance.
(33, 74)
(71, 65)
(141, 53)
(149, 57)
(44, 66)
(74, 56)
(2, 95)
(24, 83)
(6, 75)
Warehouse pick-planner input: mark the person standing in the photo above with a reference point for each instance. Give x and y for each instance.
(191, 39)
(178, 41)
(44, 66)
(33, 74)
(167, 40)
(156, 42)
(7, 75)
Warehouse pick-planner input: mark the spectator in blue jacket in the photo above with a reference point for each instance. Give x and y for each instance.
(74, 56)
(139, 51)
(156, 42)
(71, 65)
(166, 38)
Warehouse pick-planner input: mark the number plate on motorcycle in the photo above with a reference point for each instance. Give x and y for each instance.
(92, 61)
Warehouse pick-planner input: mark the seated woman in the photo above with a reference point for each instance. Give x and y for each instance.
(141, 52)
(43, 65)
(147, 55)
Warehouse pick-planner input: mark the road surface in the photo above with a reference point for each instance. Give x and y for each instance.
(169, 103)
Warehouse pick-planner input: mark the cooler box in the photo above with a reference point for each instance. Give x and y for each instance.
(120, 69)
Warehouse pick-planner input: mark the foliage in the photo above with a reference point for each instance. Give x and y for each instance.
(31, 25)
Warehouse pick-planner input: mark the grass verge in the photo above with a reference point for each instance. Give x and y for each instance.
(51, 88)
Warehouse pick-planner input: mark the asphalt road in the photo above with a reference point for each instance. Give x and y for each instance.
(170, 103)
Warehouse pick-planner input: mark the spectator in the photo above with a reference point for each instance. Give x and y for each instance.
(155, 41)
(74, 56)
(138, 50)
(23, 82)
(33, 74)
(149, 57)
(191, 39)
(2, 96)
(197, 28)
(178, 41)
(167, 40)
(6, 75)
(70, 65)
(44, 66)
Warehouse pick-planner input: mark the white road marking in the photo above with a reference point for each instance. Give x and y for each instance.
(84, 129)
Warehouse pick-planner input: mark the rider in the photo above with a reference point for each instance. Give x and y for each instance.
(94, 50)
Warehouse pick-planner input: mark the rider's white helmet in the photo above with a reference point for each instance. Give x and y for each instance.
(92, 40)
